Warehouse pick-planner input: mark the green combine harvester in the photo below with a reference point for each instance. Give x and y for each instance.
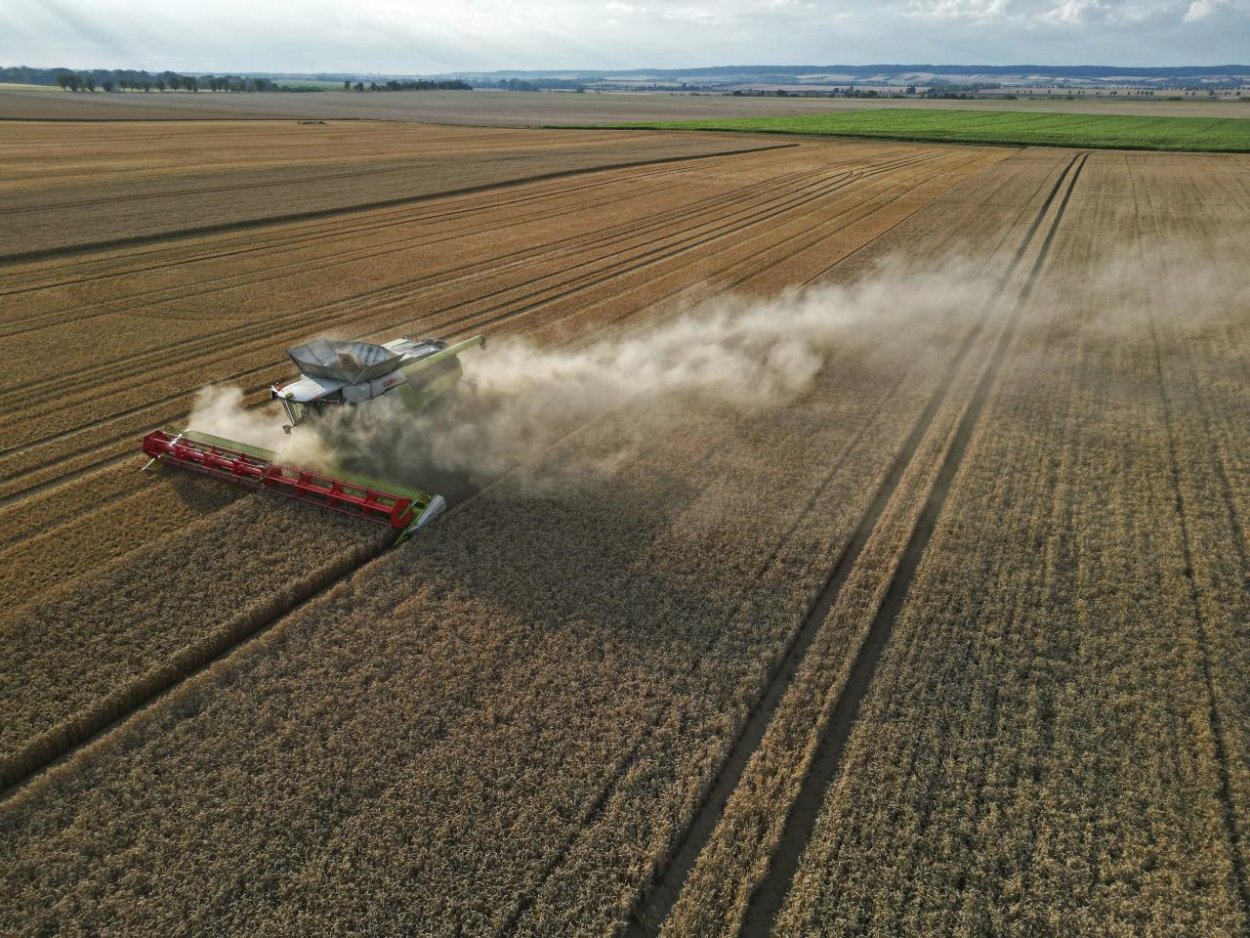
(334, 375)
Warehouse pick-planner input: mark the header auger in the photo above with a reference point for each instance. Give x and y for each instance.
(334, 374)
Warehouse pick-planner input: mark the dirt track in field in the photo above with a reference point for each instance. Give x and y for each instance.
(558, 695)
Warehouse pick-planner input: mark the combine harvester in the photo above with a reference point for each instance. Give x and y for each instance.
(334, 375)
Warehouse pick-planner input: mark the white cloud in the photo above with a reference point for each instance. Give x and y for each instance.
(957, 9)
(688, 15)
(1202, 9)
(421, 36)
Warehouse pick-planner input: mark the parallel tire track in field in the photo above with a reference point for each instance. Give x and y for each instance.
(334, 234)
(768, 898)
(314, 214)
(656, 903)
(93, 271)
(334, 231)
(488, 266)
(648, 312)
(563, 288)
(1227, 803)
(765, 208)
(611, 241)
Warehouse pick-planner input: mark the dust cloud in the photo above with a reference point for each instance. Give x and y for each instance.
(219, 410)
(518, 399)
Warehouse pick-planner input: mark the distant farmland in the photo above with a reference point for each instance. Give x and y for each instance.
(1228, 134)
(949, 638)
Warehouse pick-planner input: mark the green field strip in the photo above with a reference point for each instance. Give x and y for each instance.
(1103, 131)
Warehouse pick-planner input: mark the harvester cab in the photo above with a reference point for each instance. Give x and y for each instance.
(334, 374)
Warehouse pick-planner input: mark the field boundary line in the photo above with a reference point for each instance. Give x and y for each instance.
(656, 902)
(41, 254)
(766, 903)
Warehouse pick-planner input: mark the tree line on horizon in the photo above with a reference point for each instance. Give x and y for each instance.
(419, 84)
(128, 79)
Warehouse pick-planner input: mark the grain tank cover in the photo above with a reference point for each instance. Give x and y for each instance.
(349, 362)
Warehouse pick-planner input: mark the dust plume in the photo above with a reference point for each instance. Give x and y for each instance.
(746, 354)
(219, 410)
(517, 399)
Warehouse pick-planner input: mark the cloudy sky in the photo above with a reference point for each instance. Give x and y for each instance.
(418, 37)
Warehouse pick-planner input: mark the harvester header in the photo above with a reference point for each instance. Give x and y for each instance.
(334, 374)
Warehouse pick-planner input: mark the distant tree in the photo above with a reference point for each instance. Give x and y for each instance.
(107, 85)
(347, 84)
(90, 82)
(191, 83)
(360, 86)
(175, 82)
(146, 85)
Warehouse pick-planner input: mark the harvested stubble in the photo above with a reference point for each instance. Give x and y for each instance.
(655, 240)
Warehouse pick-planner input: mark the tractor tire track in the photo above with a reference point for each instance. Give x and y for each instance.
(314, 214)
(1228, 809)
(332, 235)
(800, 821)
(598, 804)
(656, 903)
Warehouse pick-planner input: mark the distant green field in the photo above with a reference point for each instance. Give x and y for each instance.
(1003, 127)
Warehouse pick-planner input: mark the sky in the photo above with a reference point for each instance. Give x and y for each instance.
(391, 36)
